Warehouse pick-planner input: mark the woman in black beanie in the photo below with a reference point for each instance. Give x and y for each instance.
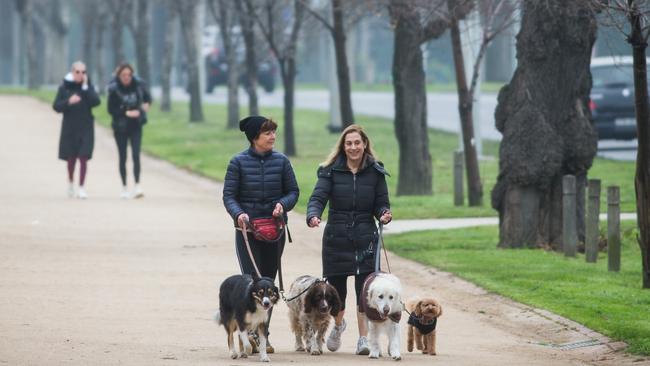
(259, 182)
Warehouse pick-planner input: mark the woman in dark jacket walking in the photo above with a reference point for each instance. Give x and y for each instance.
(75, 99)
(259, 182)
(128, 104)
(354, 183)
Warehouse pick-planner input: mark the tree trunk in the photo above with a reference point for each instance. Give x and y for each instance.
(544, 117)
(342, 70)
(89, 17)
(465, 107)
(248, 32)
(117, 24)
(168, 57)
(642, 177)
(101, 74)
(56, 50)
(26, 11)
(226, 23)
(415, 167)
(288, 73)
(141, 38)
(187, 14)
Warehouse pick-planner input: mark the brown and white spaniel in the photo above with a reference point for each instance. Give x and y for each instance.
(314, 303)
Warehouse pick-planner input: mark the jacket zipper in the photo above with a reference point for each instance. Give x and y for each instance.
(354, 208)
(263, 190)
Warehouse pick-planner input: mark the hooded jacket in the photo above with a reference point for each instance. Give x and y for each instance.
(355, 201)
(78, 128)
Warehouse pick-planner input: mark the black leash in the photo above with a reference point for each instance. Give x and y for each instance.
(280, 249)
(303, 291)
(380, 245)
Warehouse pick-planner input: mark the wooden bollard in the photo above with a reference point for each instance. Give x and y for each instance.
(569, 234)
(593, 212)
(613, 229)
(459, 198)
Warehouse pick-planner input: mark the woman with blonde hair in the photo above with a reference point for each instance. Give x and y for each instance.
(354, 183)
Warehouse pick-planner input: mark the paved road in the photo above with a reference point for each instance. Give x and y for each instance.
(442, 112)
(107, 281)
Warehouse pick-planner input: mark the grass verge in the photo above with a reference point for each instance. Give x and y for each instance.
(611, 303)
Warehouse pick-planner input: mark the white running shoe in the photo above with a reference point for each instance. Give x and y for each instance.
(82, 193)
(137, 192)
(362, 346)
(125, 194)
(71, 190)
(334, 340)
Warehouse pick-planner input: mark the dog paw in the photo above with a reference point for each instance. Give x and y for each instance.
(243, 355)
(316, 352)
(300, 349)
(374, 355)
(397, 356)
(234, 355)
(265, 358)
(409, 348)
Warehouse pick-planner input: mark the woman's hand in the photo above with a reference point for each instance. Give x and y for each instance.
(133, 113)
(74, 99)
(386, 217)
(278, 210)
(314, 222)
(242, 220)
(145, 107)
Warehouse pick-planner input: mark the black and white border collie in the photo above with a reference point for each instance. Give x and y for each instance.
(244, 304)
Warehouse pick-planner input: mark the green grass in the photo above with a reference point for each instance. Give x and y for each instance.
(490, 87)
(206, 148)
(611, 303)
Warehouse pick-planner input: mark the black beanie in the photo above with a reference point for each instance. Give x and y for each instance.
(251, 126)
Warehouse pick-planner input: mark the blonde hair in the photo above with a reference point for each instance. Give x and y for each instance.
(339, 147)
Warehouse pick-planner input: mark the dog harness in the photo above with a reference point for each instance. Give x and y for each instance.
(371, 313)
(424, 328)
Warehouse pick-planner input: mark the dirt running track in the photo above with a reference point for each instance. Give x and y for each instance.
(134, 282)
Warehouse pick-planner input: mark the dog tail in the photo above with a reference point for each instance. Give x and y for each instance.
(217, 317)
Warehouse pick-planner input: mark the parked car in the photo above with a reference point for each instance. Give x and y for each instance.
(612, 97)
(217, 72)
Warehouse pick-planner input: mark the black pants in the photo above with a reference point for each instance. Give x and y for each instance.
(122, 139)
(340, 284)
(266, 258)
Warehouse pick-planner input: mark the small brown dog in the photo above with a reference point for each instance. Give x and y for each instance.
(422, 324)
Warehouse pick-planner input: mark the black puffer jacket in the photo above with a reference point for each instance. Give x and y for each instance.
(78, 127)
(254, 183)
(355, 200)
(123, 98)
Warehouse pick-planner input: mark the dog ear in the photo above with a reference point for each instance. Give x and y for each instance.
(255, 276)
(308, 304)
(335, 301)
(418, 309)
(439, 310)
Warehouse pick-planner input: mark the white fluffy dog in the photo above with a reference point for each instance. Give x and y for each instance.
(381, 302)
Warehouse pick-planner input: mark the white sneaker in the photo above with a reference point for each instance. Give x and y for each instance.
(71, 190)
(125, 194)
(82, 193)
(334, 340)
(362, 346)
(137, 192)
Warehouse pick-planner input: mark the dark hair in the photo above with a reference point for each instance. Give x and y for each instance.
(122, 66)
(268, 125)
